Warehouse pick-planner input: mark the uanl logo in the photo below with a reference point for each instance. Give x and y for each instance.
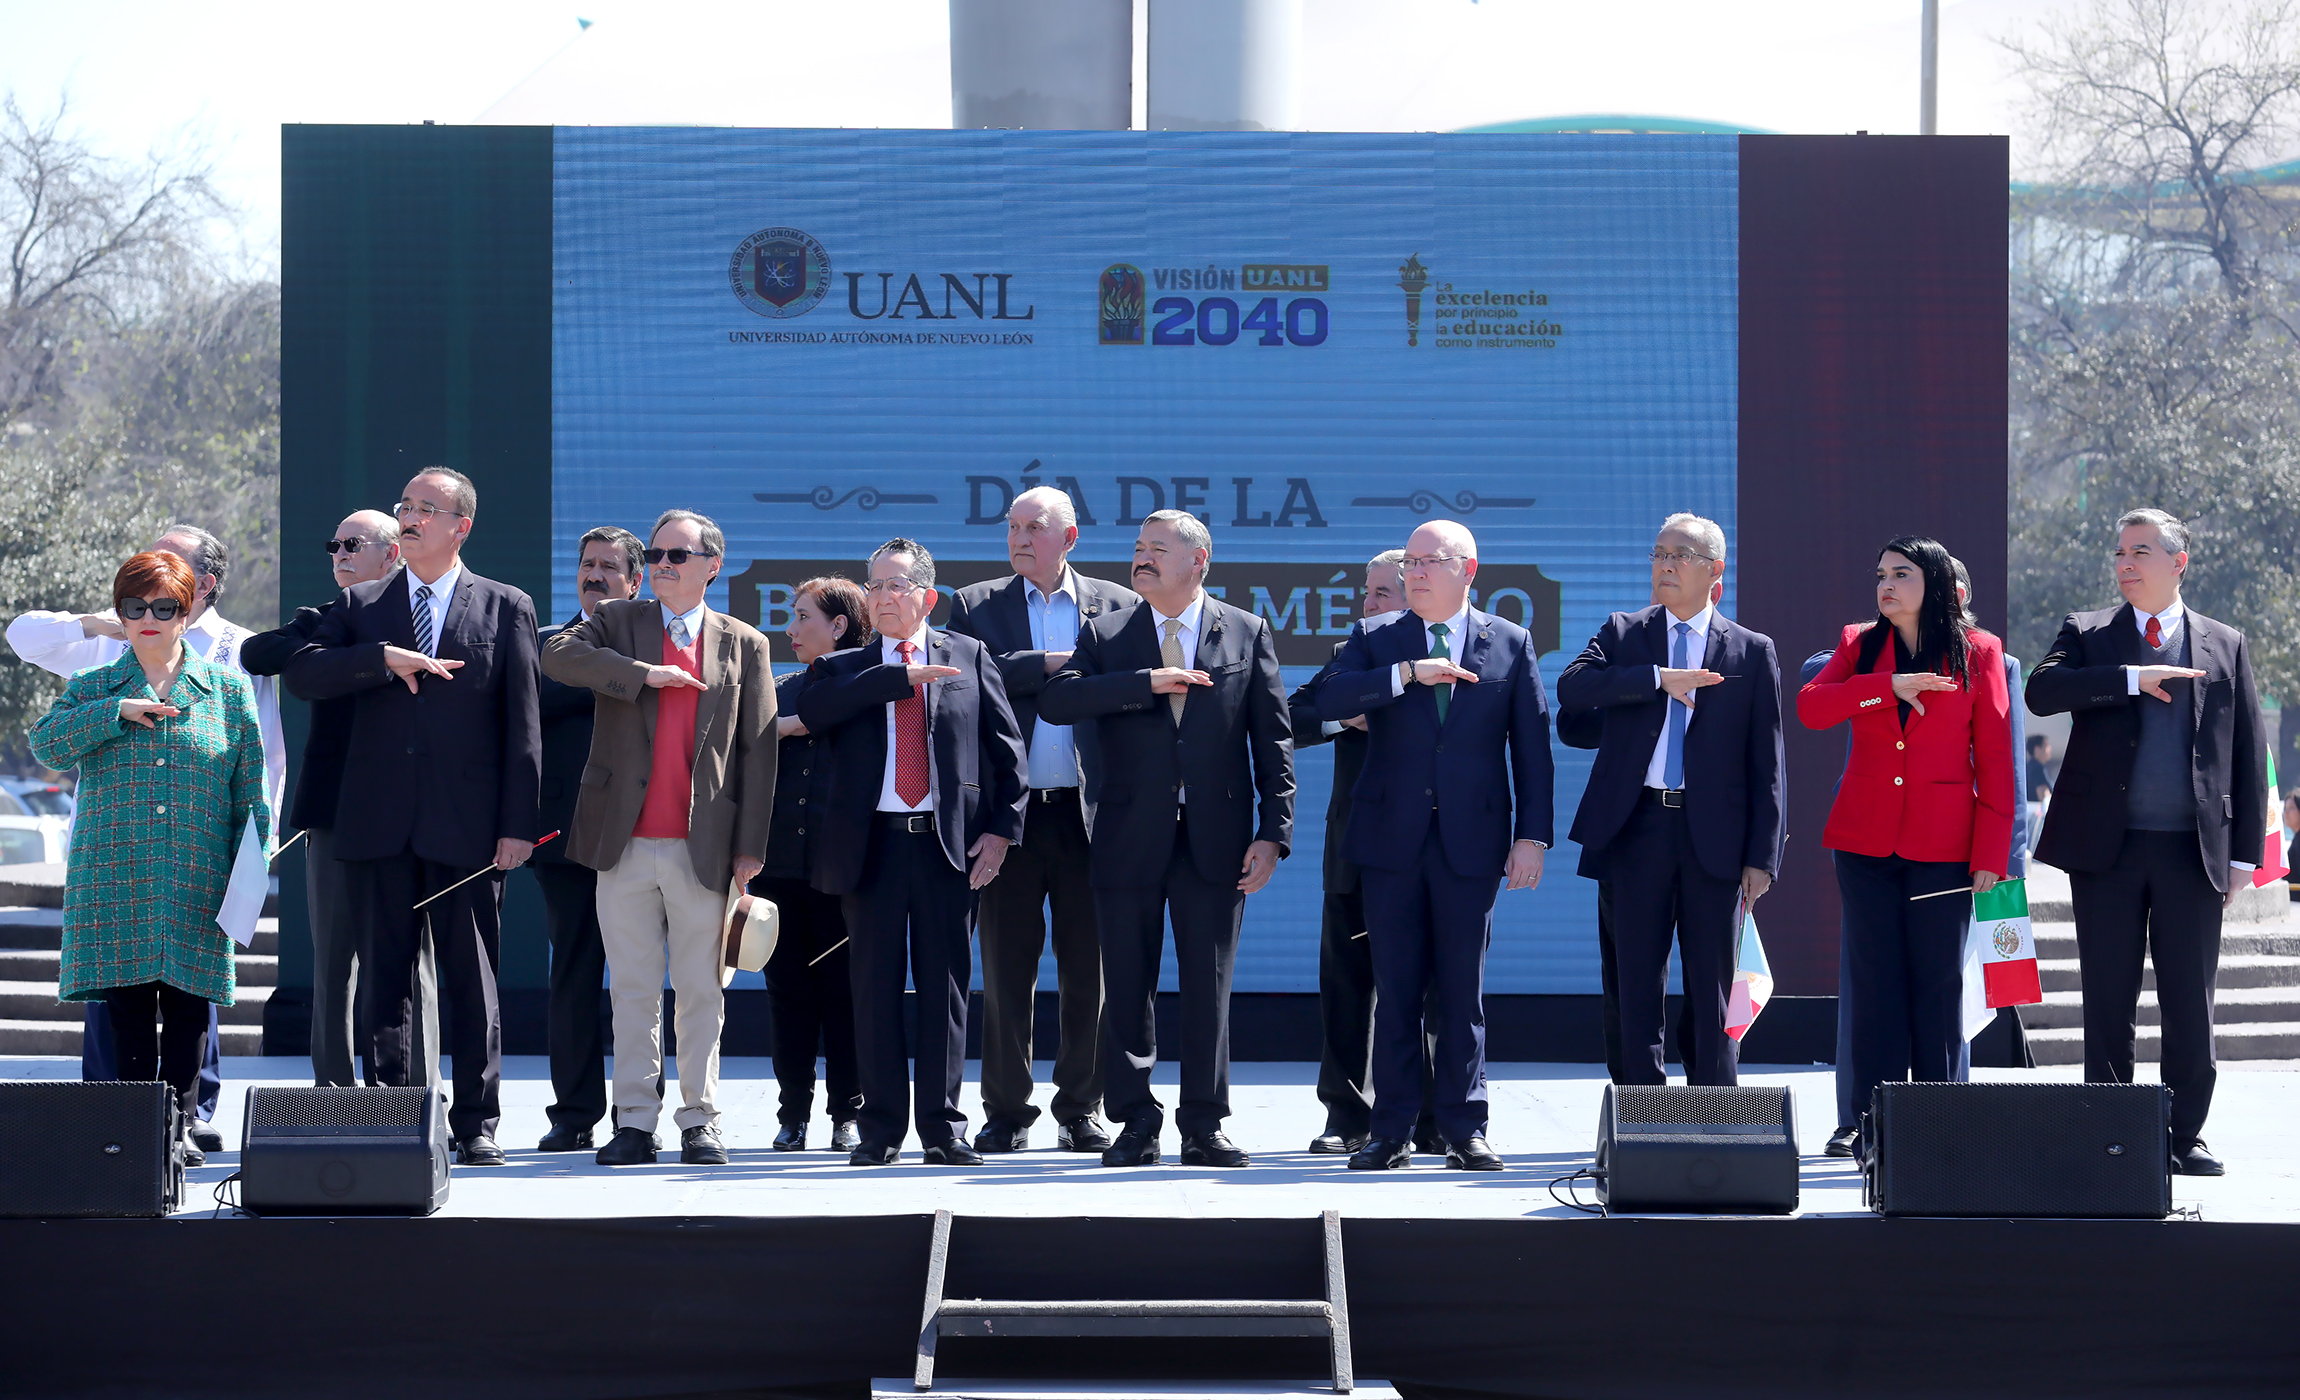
(780, 272)
(1271, 306)
(1490, 318)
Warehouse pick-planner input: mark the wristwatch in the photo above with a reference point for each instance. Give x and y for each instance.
(1405, 673)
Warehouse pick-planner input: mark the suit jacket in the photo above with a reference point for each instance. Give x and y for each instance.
(1488, 756)
(1233, 748)
(566, 715)
(1939, 788)
(802, 789)
(997, 614)
(447, 770)
(731, 798)
(2083, 675)
(1349, 761)
(319, 779)
(973, 746)
(1734, 789)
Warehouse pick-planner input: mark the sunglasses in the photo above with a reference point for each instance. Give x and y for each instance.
(345, 546)
(164, 609)
(679, 556)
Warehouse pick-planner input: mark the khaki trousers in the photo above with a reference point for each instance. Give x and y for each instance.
(656, 917)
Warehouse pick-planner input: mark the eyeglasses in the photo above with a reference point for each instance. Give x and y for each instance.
(1428, 561)
(897, 587)
(1679, 557)
(163, 609)
(679, 556)
(349, 545)
(408, 510)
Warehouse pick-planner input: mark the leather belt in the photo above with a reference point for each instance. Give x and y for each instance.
(908, 821)
(1667, 797)
(1054, 794)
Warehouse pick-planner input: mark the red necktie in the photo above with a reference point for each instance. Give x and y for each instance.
(910, 740)
(2155, 634)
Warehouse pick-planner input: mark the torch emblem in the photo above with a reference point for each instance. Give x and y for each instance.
(1411, 279)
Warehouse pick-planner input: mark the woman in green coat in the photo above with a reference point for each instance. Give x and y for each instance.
(171, 771)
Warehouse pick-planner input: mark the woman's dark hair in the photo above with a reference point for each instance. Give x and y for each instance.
(838, 596)
(155, 573)
(1941, 625)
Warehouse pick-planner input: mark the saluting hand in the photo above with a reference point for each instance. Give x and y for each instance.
(1436, 670)
(1682, 684)
(147, 712)
(922, 674)
(788, 725)
(1909, 685)
(1174, 680)
(2152, 678)
(672, 677)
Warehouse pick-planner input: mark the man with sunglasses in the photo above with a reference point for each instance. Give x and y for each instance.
(678, 799)
(69, 643)
(440, 780)
(364, 548)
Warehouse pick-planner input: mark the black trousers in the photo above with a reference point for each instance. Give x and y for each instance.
(575, 1031)
(157, 1032)
(1609, 1007)
(912, 910)
(2155, 903)
(812, 1003)
(1047, 868)
(1907, 967)
(1429, 927)
(1663, 896)
(1207, 915)
(1346, 1017)
(466, 937)
(99, 1056)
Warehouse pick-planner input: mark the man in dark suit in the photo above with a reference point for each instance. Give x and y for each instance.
(928, 797)
(1683, 812)
(1458, 736)
(365, 547)
(2161, 813)
(1345, 955)
(1030, 622)
(606, 570)
(440, 779)
(1185, 694)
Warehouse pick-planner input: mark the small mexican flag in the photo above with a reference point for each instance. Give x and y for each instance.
(2274, 859)
(2000, 933)
(1752, 979)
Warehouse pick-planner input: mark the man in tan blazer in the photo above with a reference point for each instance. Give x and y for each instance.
(676, 803)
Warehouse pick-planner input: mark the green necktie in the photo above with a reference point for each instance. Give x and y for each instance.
(1441, 652)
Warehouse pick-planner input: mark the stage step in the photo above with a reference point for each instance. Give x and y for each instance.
(31, 929)
(2243, 1040)
(63, 1037)
(44, 964)
(2242, 970)
(2236, 940)
(2230, 1006)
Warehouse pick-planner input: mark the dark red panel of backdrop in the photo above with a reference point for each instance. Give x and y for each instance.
(1872, 404)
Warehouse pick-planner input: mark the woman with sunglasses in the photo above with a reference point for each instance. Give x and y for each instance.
(171, 767)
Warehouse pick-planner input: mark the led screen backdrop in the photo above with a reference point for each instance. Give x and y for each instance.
(824, 339)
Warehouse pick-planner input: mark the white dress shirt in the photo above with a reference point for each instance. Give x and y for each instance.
(693, 618)
(442, 593)
(888, 801)
(1053, 627)
(1187, 640)
(55, 641)
(2169, 625)
(1696, 649)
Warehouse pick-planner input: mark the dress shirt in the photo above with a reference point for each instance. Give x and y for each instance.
(1053, 627)
(1187, 640)
(442, 593)
(55, 641)
(693, 618)
(1696, 649)
(887, 800)
(1454, 627)
(2169, 624)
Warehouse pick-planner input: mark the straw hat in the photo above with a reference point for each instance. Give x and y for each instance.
(747, 932)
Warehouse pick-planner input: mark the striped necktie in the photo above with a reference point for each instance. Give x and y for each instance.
(423, 637)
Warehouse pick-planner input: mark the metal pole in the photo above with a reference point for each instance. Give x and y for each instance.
(1929, 81)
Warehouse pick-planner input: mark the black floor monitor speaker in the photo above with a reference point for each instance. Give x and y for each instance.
(1708, 1151)
(1998, 1150)
(344, 1152)
(69, 1148)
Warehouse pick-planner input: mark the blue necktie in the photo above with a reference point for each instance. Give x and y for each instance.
(1673, 767)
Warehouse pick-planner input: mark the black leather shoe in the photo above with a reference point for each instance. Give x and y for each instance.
(1845, 1142)
(1083, 1134)
(2191, 1158)
(1473, 1156)
(1002, 1135)
(1382, 1155)
(1337, 1144)
(954, 1153)
(1212, 1149)
(793, 1138)
(866, 1155)
(630, 1147)
(205, 1137)
(1137, 1144)
(699, 1146)
(193, 1156)
(845, 1136)
(565, 1137)
(479, 1150)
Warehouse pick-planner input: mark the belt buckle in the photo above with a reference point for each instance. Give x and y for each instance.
(1673, 797)
(917, 822)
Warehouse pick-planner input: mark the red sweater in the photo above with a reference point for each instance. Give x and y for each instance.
(671, 782)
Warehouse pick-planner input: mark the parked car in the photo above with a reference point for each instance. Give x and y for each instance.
(38, 798)
(30, 840)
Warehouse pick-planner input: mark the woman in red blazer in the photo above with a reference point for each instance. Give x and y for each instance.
(1923, 808)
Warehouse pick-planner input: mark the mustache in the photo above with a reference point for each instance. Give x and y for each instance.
(594, 585)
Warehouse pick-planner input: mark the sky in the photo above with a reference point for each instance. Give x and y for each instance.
(140, 76)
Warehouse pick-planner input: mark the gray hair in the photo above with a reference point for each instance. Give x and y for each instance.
(1054, 500)
(1192, 530)
(1704, 532)
(921, 562)
(209, 556)
(2168, 527)
(461, 494)
(1388, 559)
(619, 537)
(714, 540)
